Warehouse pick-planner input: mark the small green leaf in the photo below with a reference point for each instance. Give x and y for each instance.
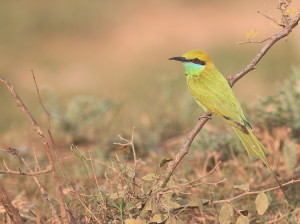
(148, 205)
(173, 205)
(252, 33)
(164, 161)
(195, 203)
(181, 201)
(242, 220)
(244, 187)
(225, 214)
(153, 205)
(171, 182)
(261, 203)
(150, 176)
(159, 218)
(170, 204)
(199, 202)
(290, 11)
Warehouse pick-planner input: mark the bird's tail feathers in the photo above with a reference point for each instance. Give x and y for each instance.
(257, 151)
(253, 147)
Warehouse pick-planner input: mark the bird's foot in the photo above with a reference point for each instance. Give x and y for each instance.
(205, 116)
(230, 80)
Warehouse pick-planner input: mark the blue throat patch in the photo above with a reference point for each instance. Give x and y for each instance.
(193, 69)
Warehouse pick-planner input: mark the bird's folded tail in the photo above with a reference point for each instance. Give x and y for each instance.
(257, 151)
(253, 147)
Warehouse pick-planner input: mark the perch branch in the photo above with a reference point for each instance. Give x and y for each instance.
(232, 80)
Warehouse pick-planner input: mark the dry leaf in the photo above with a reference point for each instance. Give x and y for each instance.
(290, 11)
(164, 161)
(226, 213)
(242, 220)
(124, 150)
(244, 187)
(159, 218)
(262, 203)
(252, 33)
(150, 176)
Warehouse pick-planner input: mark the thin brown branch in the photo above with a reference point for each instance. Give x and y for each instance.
(60, 196)
(34, 150)
(253, 42)
(9, 171)
(283, 33)
(103, 206)
(295, 176)
(276, 220)
(275, 21)
(49, 128)
(83, 204)
(183, 151)
(46, 146)
(134, 154)
(272, 17)
(37, 215)
(204, 175)
(102, 163)
(12, 212)
(37, 181)
(252, 192)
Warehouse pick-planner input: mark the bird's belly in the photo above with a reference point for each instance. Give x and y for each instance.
(202, 105)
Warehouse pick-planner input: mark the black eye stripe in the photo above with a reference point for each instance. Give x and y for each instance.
(197, 61)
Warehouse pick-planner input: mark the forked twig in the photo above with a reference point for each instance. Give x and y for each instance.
(37, 181)
(46, 146)
(131, 143)
(9, 171)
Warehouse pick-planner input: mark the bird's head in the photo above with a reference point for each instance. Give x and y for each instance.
(194, 62)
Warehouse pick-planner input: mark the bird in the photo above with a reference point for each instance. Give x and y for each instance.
(214, 94)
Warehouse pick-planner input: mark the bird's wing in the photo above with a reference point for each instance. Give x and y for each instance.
(212, 91)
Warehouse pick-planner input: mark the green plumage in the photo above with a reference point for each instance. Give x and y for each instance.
(213, 93)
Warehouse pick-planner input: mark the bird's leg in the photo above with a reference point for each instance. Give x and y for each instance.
(205, 116)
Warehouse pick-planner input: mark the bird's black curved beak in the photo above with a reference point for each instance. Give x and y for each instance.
(182, 59)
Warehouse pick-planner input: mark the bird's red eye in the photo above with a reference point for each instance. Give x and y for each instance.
(196, 60)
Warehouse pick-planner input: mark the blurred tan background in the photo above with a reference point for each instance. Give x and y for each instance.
(119, 51)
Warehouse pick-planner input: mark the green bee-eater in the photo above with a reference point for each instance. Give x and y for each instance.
(213, 93)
